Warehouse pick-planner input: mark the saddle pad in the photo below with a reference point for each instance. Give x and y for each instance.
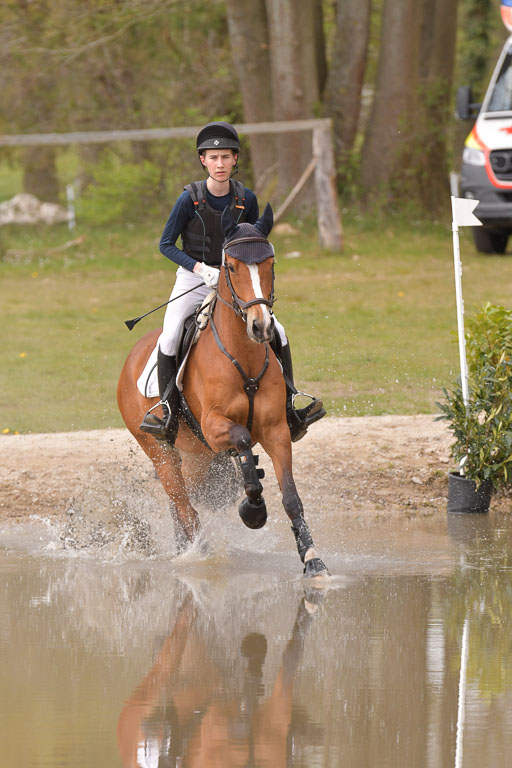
(147, 383)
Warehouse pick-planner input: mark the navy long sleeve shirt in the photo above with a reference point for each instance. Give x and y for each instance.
(183, 211)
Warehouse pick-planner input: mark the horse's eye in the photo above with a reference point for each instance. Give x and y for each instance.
(231, 268)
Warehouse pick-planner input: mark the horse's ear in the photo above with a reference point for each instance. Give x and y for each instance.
(227, 222)
(266, 222)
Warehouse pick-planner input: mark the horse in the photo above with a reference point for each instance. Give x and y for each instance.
(233, 387)
(186, 679)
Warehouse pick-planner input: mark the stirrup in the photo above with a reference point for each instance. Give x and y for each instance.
(153, 424)
(312, 412)
(299, 419)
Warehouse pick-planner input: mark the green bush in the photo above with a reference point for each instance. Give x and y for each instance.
(483, 430)
(121, 192)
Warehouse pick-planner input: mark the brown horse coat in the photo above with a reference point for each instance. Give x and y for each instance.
(214, 390)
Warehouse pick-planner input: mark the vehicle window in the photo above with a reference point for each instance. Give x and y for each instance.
(501, 97)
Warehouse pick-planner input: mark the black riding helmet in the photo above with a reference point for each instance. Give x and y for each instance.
(217, 136)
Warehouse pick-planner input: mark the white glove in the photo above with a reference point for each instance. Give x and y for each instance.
(210, 275)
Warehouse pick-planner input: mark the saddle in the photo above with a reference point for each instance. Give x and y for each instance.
(194, 324)
(192, 327)
(147, 382)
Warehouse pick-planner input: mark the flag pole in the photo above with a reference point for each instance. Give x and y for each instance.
(457, 265)
(461, 705)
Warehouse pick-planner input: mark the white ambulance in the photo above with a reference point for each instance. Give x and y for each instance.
(486, 172)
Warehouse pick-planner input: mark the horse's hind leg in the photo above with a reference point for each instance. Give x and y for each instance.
(252, 509)
(167, 462)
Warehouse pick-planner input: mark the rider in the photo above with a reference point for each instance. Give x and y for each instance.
(196, 218)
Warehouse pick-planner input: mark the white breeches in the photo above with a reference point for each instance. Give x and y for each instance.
(177, 312)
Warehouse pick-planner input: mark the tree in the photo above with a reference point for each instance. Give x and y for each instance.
(30, 92)
(92, 65)
(346, 73)
(430, 151)
(406, 144)
(476, 45)
(248, 34)
(387, 130)
(295, 83)
(278, 49)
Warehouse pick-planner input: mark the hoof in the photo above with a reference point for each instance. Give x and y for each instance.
(315, 567)
(253, 515)
(182, 543)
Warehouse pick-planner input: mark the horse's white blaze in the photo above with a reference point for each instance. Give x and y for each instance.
(256, 286)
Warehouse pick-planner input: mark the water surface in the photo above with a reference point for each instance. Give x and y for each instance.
(229, 659)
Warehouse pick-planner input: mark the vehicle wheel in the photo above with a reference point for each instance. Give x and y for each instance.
(490, 240)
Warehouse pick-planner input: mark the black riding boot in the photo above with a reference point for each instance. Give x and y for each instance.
(165, 427)
(299, 419)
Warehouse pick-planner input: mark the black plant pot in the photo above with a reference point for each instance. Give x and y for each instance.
(463, 495)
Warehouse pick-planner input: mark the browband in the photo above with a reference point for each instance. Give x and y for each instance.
(246, 240)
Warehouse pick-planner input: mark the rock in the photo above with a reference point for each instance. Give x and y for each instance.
(27, 209)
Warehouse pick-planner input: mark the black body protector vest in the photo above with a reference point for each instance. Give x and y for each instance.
(203, 237)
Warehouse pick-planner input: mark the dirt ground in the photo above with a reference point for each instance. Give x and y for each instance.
(375, 466)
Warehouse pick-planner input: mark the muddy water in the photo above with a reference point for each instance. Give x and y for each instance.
(224, 658)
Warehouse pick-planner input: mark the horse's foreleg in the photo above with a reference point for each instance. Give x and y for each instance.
(252, 509)
(223, 434)
(280, 451)
(292, 503)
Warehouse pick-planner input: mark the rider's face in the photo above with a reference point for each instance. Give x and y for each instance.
(219, 163)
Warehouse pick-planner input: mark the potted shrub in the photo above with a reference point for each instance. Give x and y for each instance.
(482, 430)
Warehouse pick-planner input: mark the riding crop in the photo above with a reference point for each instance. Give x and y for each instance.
(131, 323)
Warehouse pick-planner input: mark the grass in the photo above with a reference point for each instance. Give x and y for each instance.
(373, 329)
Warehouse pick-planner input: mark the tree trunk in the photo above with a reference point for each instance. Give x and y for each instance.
(247, 23)
(346, 73)
(391, 117)
(40, 174)
(320, 54)
(294, 61)
(437, 58)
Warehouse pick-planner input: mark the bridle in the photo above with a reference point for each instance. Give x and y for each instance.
(240, 307)
(251, 384)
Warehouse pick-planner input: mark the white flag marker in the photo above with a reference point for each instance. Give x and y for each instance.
(462, 216)
(462, 210)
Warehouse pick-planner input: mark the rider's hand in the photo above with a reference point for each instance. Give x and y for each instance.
(210, 275)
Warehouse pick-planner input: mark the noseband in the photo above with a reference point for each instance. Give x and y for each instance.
(240, 307)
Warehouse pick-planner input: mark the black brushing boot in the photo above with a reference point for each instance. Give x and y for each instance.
(299, 419)
(164, 428)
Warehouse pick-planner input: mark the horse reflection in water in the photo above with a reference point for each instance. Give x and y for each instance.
(180, 715)
(234, 388)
